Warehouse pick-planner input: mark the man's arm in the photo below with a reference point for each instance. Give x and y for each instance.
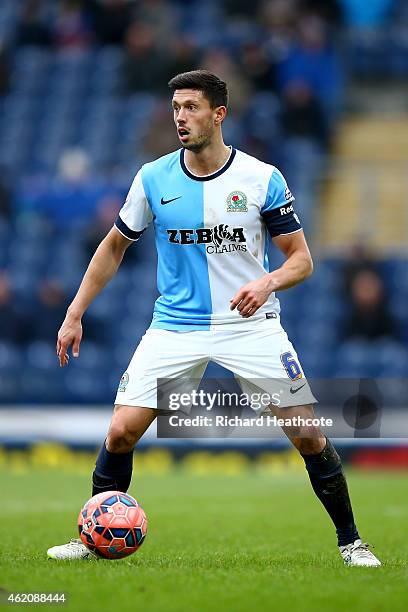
(102, 267)
(297, 267)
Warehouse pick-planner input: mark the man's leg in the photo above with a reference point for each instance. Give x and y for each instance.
(326, 475)
(113, 470)
(325, 471)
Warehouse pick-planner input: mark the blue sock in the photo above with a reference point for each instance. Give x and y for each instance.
(113, 471)
(329, 483)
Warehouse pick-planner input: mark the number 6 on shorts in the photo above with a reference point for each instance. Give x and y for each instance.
(291, 366)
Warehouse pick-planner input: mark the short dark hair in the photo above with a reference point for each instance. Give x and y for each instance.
(213, 88)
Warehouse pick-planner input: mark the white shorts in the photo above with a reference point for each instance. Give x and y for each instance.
(261, 359)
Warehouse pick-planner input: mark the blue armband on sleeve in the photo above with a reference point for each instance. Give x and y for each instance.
(278, 212)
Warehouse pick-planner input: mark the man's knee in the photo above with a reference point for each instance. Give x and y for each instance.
(309, 446)
(120, 439)
(127, 426)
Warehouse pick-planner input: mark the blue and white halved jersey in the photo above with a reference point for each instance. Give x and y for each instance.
(212, 235)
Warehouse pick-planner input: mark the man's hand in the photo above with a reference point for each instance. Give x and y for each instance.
(69, 333)
(294, 270)
(252, 296)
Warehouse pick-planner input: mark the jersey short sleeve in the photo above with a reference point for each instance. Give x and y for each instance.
(277, 211)
(136, 214)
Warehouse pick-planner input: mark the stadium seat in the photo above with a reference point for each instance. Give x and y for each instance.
(93, 356)
(355, 358)
(81, 385)
(10, 386)
(263, 116)
(11, 357)
(391, 357)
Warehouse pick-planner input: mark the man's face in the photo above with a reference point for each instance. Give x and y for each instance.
(194, 118)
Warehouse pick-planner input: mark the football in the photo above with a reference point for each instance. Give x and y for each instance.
(112, 525)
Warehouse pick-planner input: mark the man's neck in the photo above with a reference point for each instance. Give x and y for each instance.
(207, 161)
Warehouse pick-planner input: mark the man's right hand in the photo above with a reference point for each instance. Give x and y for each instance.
(69, 334)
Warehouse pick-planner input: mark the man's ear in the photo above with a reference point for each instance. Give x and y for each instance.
(220, 114)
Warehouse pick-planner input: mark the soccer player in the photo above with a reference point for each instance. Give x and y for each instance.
(214, 209)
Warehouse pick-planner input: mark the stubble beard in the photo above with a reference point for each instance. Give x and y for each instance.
(202, 141)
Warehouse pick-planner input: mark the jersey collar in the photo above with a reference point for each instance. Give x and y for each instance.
(207, 177)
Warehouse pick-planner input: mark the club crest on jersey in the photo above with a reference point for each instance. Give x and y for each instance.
(123, 382)
(237, 202)
(218, 239)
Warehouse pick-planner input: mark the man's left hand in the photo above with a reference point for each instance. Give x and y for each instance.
(251, 297)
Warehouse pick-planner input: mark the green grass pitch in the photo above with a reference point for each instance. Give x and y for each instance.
(246, 542)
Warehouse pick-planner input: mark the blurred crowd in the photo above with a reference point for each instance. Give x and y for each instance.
(83, 103)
